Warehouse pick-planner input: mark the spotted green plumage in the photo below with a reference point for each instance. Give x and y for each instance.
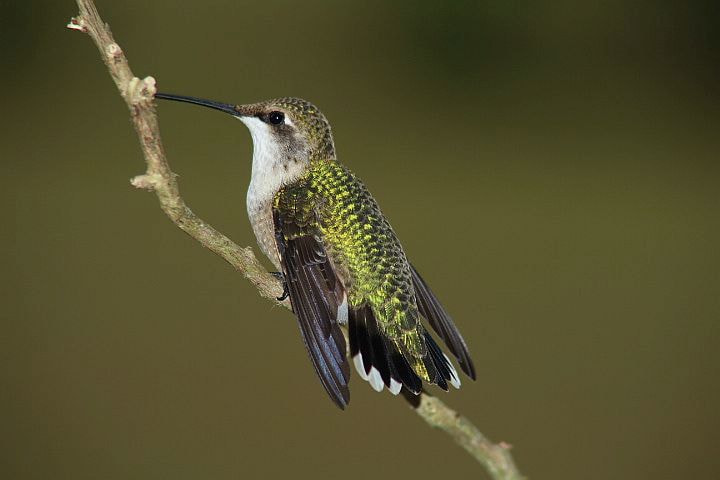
(330, 202)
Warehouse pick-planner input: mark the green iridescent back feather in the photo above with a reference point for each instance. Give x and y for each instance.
(330, 202)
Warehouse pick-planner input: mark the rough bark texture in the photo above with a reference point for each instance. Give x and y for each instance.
(138, 95)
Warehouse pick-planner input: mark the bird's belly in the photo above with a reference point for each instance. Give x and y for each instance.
(260, 214)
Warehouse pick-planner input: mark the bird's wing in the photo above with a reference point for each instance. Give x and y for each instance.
(430, 308)
(318, 300)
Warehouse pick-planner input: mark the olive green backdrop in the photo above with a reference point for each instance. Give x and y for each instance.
(551, 168)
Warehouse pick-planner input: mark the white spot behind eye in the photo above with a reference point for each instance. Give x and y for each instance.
(288, 121)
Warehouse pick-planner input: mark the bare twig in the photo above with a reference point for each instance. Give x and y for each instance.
(495, 458)
(138, 95)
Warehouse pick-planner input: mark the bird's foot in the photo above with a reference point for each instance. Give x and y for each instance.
(286, 292)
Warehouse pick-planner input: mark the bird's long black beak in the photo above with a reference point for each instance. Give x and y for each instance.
(234, 110)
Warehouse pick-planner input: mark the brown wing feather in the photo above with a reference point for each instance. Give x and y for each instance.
(315, 295)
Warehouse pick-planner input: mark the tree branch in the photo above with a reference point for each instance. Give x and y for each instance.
(138, 95)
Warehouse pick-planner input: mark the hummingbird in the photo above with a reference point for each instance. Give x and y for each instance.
(343, 267)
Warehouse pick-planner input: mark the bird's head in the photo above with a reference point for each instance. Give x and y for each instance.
(284, 130)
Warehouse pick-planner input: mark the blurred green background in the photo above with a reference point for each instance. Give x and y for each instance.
(551, 168)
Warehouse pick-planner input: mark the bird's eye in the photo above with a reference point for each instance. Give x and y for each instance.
(276, 118)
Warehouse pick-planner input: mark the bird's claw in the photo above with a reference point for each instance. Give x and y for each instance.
(286, 292)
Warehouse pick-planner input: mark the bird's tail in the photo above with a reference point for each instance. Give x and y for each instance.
(379, 361)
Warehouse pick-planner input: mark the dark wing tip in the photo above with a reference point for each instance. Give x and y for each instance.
(432, 310)
(469, 369)
(343, 400)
